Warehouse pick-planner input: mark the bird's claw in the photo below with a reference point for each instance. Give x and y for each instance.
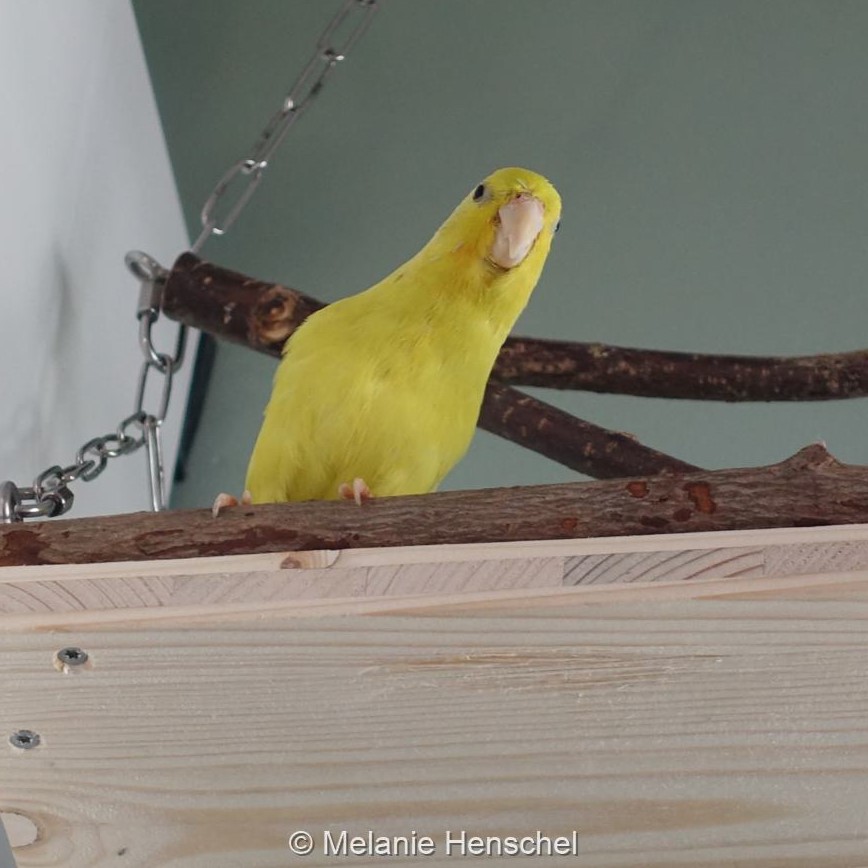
(358, 491)
(224, 499)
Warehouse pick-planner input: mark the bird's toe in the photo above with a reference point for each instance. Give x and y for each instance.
(223, 500)
(358, 491)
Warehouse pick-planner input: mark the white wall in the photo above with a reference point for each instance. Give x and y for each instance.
(86, 177)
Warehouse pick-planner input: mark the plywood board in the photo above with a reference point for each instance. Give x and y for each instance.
(712, 715)
(208, 587)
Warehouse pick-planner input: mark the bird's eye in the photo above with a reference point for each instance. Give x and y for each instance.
(479, 192)
(557, 225)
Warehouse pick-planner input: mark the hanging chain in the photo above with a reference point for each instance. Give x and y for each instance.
(50, 495)
(333, 46)
(153, 278)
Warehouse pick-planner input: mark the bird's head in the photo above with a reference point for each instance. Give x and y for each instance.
(505, 223)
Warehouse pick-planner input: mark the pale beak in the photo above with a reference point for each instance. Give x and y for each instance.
(521, 220)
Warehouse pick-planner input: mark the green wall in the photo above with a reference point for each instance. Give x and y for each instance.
(710, 154)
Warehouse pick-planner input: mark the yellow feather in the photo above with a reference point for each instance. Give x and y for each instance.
(386, 385)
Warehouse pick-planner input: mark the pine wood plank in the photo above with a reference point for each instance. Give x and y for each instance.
(694, 700)
(244, 582)
(725, 727)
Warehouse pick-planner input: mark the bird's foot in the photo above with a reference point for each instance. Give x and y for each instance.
(223, 499)
(358, 491)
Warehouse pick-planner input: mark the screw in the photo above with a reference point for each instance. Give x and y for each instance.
(24, 739)
(72, 656)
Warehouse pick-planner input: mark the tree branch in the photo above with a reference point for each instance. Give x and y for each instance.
(232, 306)
(811, 488)
(573, 442)
(660, 374)
(262, 316)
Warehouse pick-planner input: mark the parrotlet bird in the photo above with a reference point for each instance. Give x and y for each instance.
(379, 393)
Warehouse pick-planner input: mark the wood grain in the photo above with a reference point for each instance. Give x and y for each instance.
(686, 700)
(689, 732)
(214, 585)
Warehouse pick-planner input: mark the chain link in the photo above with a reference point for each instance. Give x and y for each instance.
(334, 45)
(153, 278)
(50, 495)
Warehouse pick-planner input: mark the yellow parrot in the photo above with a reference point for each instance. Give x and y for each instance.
(379, 393)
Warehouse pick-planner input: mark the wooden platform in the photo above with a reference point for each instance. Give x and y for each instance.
(684, 700)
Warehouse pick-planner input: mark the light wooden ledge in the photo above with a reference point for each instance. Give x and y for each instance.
(682, 700)
(368, 580)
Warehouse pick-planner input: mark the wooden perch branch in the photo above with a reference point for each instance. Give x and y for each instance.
(234, 307)
(811, 488)
(573, 442)
(262, 316)
(659, 374)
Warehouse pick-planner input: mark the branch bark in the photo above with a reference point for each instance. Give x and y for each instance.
(661, 374)
(262, 316)
(811, 488)
(573, 442)
(232, 306)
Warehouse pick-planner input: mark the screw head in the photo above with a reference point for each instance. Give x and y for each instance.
(72, 656)
(25, 739)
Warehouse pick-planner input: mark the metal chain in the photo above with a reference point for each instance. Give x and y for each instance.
(153, 279)
(334, 45)
(50, 495)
